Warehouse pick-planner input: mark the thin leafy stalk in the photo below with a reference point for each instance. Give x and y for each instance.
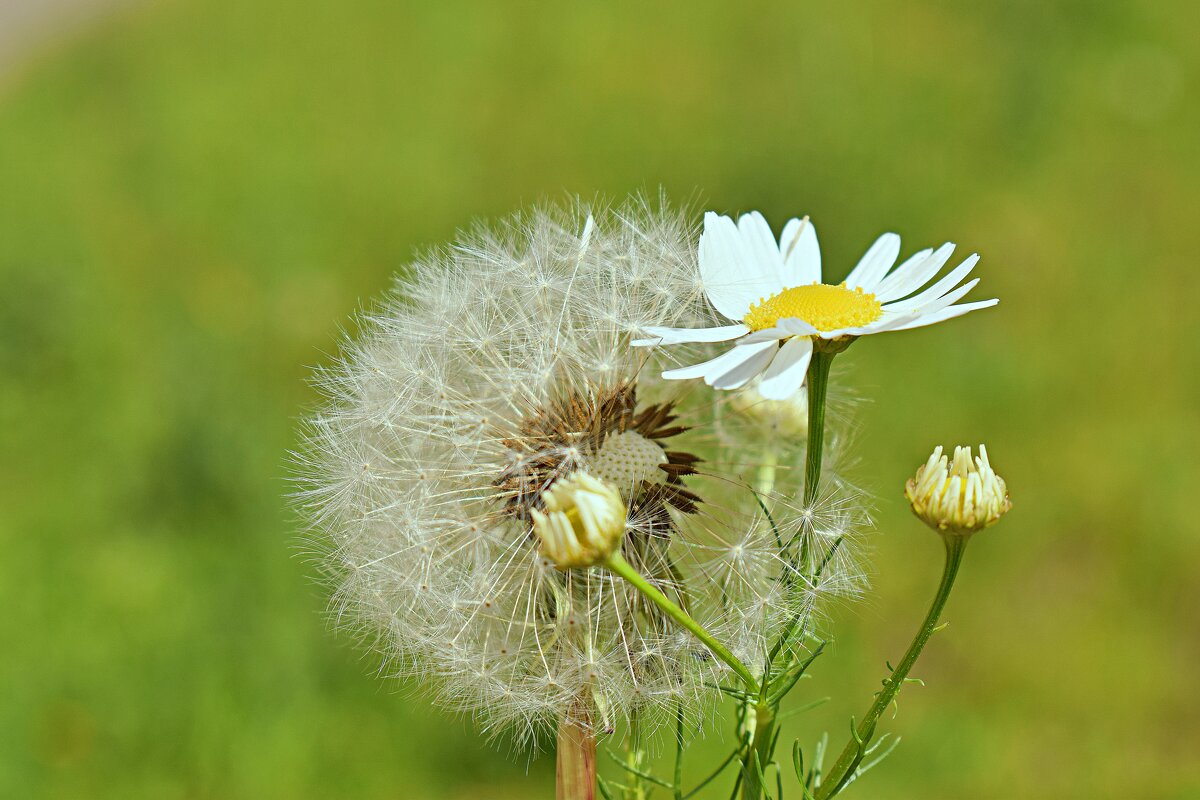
(639, 773)
(843, 769)
(713, 775)
(792, 712)
(678, 791)
(634, 756)
(777, 694)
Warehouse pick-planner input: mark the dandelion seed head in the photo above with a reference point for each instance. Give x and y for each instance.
(496, 368)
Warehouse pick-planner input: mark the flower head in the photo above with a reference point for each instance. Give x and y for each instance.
(773, 294)
(958, 497)
(583, 523)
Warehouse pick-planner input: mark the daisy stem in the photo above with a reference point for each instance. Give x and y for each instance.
(575, 773)
(852, 754)
(759, 754)
(617, 564)
(818, 384)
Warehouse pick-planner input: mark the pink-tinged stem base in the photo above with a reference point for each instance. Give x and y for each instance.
(576, 771)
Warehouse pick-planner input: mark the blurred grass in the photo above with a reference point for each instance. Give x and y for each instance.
(196, 194)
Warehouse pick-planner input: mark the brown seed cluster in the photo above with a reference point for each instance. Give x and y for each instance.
(560, 437)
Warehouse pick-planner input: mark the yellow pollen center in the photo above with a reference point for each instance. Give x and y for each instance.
(825, 307)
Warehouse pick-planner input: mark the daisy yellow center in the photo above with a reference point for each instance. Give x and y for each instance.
(825, 307)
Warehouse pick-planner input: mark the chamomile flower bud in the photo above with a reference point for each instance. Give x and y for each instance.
(958, 497)
(786, 417)
(583, 523)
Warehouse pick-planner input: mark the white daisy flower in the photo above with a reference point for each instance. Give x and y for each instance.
(780, 309)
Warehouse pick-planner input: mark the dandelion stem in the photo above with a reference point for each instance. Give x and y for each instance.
(617, 564)
(576, 768)
(844, 768)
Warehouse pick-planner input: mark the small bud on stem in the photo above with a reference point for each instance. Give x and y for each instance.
(961, 498)
(583, 523)
(955, 502)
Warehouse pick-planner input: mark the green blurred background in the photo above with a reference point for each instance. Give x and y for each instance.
(195, 195)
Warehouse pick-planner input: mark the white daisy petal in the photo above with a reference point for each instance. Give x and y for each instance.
(884, 323)
(801, 253)
(900, 321)
(759, 243)
(755, 360)
(786, 374)
(912, 274)
(784, 328)
(726, 360)
(947, 299)
(765, 335)
(939, 289)
(687, 335)
(875, 263)
(905, 267)
(720, 264)
(949, 312)
(734, 277)
(840, 332)
(797, 326)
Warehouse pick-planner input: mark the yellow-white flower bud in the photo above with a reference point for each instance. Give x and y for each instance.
(787, 417)
(583, 523)
(959, 497)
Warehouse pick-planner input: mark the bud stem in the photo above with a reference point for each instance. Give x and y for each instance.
(843, 769)
(575, 772)
(617, 564)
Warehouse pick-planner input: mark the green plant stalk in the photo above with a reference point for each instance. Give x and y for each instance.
(635, 755)
(575, 772)
(617, 564)
(843, 769)
(759, 754)
(818, 387)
